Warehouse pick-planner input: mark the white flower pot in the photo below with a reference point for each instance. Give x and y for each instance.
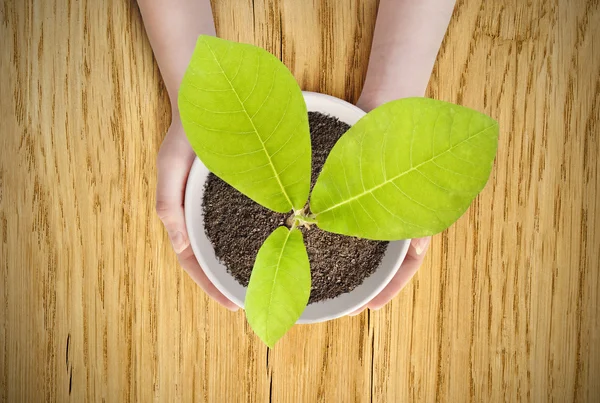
(217, 273)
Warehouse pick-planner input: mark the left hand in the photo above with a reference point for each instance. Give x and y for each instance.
(408, 268)
(174, 162)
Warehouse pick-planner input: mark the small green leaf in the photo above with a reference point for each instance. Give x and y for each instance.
(279, 285)
(246, 119)
(409, 168)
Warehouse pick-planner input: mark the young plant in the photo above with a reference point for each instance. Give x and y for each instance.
(409, 168)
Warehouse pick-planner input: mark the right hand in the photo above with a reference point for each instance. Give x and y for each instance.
(174, 162)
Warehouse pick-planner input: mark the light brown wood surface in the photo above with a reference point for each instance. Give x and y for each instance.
(93, 306)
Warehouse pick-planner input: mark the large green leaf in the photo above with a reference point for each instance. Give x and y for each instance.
(279, 285)
(409, 168)
(246, 119)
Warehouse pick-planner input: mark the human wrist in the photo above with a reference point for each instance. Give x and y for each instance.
(367, 103)
(370, 99)
(175, 117)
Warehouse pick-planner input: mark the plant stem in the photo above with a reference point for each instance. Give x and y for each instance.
(301, 218)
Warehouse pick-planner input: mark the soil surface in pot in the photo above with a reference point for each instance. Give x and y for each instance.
(237, 227)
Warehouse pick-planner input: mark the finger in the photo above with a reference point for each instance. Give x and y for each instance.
(413, 260)
(420, 245)
(358, 311)
(188, 261)
(174, 162)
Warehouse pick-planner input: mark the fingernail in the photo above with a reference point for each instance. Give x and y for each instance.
(421, 245)
(232, 309)
(178, 241)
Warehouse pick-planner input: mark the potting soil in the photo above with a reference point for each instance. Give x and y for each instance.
(238, 226)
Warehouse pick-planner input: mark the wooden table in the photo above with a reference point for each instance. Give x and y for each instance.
(93, 306)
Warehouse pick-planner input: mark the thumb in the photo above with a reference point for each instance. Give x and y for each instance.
(174, 162)
(413, 260)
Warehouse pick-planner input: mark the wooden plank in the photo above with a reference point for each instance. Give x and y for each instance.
(93, 306)
(506, 308)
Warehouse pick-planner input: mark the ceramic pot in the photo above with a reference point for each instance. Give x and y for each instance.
(217, 272)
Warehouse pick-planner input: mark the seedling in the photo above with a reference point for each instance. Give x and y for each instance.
(409, 168)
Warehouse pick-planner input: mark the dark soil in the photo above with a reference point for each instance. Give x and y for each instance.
(237, 227)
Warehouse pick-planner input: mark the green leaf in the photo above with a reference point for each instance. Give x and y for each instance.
(279, 285)
(246, 119)
(409, 168)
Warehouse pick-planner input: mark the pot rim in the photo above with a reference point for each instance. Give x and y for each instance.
(228, 286)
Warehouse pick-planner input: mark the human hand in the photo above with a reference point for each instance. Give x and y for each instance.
(408, 268)
(418, 246)
(174, 162)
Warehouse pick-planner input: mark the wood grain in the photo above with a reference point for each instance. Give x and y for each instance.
(93, 306)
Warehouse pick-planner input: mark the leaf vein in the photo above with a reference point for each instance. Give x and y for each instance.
(255, 130)
(415, 168)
